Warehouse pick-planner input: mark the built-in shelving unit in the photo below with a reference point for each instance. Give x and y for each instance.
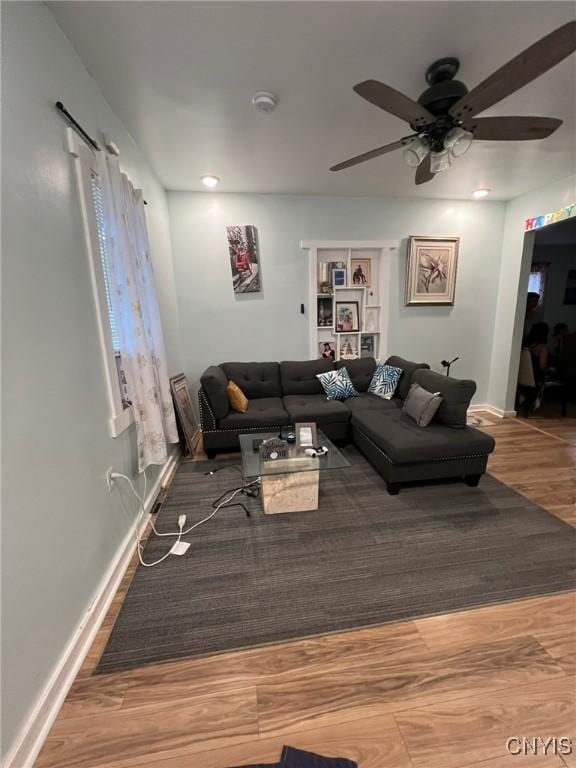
(348, 311)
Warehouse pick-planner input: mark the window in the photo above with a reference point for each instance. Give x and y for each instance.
(93, 212)
(537, 280)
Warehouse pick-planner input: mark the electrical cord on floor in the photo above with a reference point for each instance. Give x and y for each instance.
(252, 490)
(141, 514)
(182, 519)
(219, 469)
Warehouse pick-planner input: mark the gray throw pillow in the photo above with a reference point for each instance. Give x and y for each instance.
(421, 405)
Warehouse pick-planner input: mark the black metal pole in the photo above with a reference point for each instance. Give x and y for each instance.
(75, 124)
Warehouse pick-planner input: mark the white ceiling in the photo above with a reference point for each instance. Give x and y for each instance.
(181, 76)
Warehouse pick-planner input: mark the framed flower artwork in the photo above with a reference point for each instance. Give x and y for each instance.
(431, 270)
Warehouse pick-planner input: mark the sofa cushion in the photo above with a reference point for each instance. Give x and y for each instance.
(456, 395)
(405, 443)
(337, 384)
(385, 381)
(315, 408)
(214, 382)
(237, 398)
(421, 405)
(366, 401)
(360, 371)
(408, 368)
(299, 377)
(262, 412)
(255, 379)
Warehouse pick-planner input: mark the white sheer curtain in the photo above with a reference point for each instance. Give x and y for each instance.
(135, 308)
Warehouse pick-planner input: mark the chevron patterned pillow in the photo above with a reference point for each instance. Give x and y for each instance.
(385, 380)
(337, 384)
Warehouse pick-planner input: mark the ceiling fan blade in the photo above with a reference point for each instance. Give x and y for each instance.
(512, 128)
(423, 172)
(391, 100)
(373, 153)
(527, 66)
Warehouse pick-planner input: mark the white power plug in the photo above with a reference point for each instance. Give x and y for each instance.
(109, 478)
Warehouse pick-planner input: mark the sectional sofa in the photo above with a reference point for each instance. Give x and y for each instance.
(281, 394)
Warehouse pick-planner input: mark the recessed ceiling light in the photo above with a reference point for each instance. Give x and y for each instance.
(480, 193)
(210, 181)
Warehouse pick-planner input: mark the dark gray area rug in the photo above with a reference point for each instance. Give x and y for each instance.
(362, 558)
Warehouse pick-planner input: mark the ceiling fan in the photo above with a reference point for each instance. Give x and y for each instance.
(444, 117)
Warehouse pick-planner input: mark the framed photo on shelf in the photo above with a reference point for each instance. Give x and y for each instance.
(367, 345)
(327, 350)
(347, 316)
(431, 270)
(372, 323)
(325, 317)
(361, 272)
(325, 277)
(339, 278)
(348, 347)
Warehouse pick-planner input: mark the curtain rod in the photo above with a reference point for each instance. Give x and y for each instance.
(76, 125)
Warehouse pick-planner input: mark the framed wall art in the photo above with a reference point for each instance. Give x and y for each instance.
(570, 291)
(244, 258)
(431, 270)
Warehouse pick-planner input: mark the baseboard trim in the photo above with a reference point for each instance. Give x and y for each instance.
(37, 725)
(493, 410)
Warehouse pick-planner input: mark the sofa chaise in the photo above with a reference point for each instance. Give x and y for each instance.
(282, 394)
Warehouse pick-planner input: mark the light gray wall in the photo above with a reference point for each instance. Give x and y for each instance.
(561, 259)
(217, 326)
(61, 529)
(513, 284)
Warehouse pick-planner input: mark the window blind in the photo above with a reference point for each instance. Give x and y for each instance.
(98, 201)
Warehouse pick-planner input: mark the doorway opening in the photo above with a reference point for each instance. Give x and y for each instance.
(547, 373)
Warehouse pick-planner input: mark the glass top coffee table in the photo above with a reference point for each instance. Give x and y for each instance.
(289, 484)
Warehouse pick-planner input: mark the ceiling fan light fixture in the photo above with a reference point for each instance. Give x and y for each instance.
(415, 152)
(439, 161)
(458, 141)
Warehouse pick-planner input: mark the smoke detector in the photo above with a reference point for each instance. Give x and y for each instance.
(264, 101)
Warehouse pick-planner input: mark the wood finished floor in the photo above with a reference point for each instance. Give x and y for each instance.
(440, 692)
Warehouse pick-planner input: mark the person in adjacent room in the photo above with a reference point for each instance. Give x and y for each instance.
(537, 343)
(533, 313)
(559, 333)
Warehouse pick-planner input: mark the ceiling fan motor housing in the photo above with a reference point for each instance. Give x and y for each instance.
(444, 91)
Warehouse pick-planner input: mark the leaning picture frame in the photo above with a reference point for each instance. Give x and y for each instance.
(306, 435)
(185, 416)
(431, 270)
